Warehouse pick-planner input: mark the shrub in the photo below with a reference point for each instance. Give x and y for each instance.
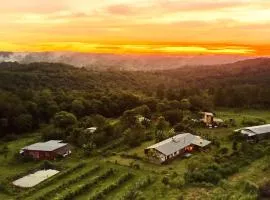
(229, 164)
(165, 180)
(253, 121)
(48, 165)
(224, 150)
(265, 190)
(235, 145)
(177, 183)
(3, 188)
(250, 187)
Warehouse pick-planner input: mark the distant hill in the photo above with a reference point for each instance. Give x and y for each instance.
(240, 84)
(251, 71)
(120, 62)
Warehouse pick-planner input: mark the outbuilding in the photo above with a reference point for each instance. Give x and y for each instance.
(255, 133)
(46, 150)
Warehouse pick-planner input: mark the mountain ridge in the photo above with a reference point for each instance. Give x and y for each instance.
(134, 62)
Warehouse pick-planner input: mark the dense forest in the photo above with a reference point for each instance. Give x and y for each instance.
(32, 94)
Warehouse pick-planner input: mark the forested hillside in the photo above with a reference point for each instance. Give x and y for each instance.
(241, 84)
(32, 93)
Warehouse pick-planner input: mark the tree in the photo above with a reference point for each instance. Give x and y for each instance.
(161, 107)
(5, 151)
(175, 104)
(3, 126)
(161, 91)
(135, 135)
(185, 104)
(173, 116)
(143, 110)
(151, 103)
(129, 118)
(235, 145)
(47, 107)
(88, 148)
(77, 107)
(64, 119)
(23, 123)
(161, 127)
(179, 127)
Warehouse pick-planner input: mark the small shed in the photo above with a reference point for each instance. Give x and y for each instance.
(91, 129)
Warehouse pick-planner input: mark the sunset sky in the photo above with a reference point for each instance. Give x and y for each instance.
(136, 26)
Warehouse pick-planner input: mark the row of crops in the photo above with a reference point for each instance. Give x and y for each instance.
(84, 181)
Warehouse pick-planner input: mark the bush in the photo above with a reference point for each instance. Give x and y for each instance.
(250, 187)
(48, 165)
(253, 121)
(224, 150)
(265, 190)
(165, 180)
(177, 183)
(3, 188)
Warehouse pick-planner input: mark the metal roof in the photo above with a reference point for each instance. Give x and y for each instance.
(255, 130)
(178, 142)
(50, 145)
(92, 129)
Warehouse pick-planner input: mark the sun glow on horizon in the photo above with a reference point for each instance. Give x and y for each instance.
(125, 26)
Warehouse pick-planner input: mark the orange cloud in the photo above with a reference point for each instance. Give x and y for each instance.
(164, 26)
(121, 9)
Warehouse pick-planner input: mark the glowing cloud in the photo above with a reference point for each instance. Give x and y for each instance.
(127, 26)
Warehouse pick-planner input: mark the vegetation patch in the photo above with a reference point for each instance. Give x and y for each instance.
(66, 184)
(101, 194)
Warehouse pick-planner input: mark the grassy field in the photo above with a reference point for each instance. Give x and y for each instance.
(10, 167)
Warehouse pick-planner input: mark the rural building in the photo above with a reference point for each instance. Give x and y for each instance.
(255, 132)
(46, 150)
(210, 121)
(91, 129)
(207, 118)
(175, 146)
(142, 118)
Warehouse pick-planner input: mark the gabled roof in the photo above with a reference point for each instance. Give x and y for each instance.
(50, 145)
(178, 142)
(255, 130)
